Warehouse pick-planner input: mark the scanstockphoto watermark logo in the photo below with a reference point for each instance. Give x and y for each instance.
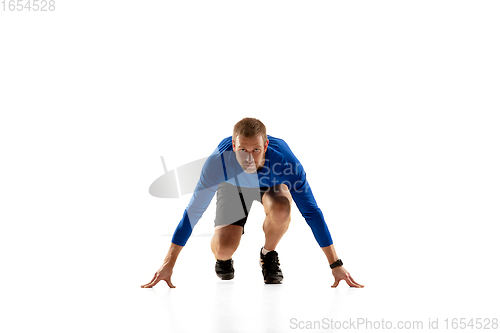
(353, 324)
(482, 323)
(185, 179)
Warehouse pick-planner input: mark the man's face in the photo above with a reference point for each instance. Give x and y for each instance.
(250, 152)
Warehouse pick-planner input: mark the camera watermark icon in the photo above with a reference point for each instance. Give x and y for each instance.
(177, 182)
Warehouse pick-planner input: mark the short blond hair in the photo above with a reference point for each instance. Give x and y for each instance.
(249, 127)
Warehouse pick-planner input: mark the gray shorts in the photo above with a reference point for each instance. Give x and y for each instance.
(234, 203)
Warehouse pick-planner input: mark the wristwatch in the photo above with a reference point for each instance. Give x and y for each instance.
(336, 264)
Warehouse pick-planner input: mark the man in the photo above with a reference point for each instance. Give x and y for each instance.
(250, 166)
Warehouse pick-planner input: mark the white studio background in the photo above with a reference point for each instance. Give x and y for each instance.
(391, 106)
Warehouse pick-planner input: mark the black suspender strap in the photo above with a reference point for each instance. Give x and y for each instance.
(241, 194)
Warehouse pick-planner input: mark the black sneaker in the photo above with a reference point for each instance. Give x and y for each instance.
(270, 264)
(224, 269)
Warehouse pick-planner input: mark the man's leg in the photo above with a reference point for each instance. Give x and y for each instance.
(225, 241)
(230, 218)
(277, 204)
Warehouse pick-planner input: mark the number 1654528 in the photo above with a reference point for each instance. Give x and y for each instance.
(28, 5)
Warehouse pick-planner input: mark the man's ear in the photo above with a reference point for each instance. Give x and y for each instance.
(265, 145)
(233, 143)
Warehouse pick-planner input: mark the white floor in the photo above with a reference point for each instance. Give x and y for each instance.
(202, 303)
(100, 290)
(92, 284)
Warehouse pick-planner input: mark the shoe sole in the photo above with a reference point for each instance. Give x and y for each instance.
(226, 276)
(273, 281)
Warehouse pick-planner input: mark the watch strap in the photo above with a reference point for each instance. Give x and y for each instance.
(336, 264)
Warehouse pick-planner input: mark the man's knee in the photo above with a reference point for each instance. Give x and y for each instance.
(280, 209)
(223, 252)
(226, 241)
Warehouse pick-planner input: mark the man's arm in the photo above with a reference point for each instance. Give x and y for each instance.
(330, 254)
(212, 174)
(306, 203)
(304, 199)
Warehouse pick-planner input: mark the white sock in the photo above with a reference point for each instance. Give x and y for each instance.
(264, 251)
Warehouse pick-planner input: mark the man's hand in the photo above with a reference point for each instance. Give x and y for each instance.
(164, 273)
(340, 273)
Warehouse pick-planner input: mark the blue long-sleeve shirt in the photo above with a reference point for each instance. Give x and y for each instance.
(280, 167)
